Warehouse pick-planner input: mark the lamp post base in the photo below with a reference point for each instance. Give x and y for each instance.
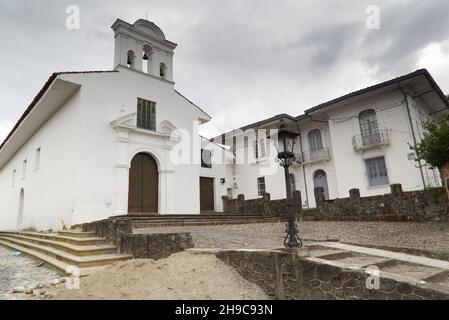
(292, 239)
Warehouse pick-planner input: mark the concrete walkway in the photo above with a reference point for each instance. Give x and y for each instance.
(390, 254)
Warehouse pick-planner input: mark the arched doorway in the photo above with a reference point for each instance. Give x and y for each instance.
(143, 185)
(21, 206)
(320, 180)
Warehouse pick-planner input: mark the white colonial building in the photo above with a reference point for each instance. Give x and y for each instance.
(97, 144)
(360, 140)
(103, 143)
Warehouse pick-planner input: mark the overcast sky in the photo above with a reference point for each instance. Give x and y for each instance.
(241, 60)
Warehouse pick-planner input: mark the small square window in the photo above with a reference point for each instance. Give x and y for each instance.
(146, 114)
(377, 171)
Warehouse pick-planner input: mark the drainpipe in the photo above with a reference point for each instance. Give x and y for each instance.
(302, 164)
(413, 135)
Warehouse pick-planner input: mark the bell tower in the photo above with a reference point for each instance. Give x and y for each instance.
(142, 46)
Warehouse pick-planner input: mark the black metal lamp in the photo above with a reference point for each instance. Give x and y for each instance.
(286, 156)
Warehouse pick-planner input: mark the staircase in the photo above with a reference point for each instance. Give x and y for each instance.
(197, 220)
(63, 249)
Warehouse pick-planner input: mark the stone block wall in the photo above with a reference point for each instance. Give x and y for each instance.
(141, 246)
(155, 246)
(396, 206)
(110, 229)
(287, 276)
(262, 206)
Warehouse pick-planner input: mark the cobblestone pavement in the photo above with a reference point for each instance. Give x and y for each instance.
(20, 272)
(432, 237)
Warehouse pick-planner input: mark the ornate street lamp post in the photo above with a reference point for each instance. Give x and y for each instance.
(286, 157)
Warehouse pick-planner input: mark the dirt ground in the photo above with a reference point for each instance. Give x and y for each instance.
(182, 276)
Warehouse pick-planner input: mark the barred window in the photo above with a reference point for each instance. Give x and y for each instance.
(146, 114)
(369, 127)
(261, 186)
(377, 171)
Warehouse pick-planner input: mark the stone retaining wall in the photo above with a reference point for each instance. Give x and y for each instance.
(263, 206)
(287, 276)
(155, 246)
(397, 206)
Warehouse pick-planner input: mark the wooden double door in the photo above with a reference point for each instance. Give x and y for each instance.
(143, 185)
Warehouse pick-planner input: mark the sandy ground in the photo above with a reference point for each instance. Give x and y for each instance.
(184, 275)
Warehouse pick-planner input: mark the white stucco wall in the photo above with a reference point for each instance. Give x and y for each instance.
(48, 190)
(351, 171)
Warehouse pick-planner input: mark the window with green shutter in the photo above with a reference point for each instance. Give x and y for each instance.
(146, 114)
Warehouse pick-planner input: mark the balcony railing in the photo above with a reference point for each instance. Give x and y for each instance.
(322, 154)
(379, 138)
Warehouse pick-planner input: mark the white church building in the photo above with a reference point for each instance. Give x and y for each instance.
(97, 144)
(104, 143)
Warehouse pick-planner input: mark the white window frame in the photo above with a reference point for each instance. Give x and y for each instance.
(369, 173)
(261, 190)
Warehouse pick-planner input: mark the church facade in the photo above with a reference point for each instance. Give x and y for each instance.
(99, 144)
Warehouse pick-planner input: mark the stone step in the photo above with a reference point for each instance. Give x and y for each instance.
(189, 216)
(80, 262)
(70, 248)
(60, 266)
(151, 224)
(55, 237)
(329, 254)
(416, 271)
(211, 219)
(77, 234)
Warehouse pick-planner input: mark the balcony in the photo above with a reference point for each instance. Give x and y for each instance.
(322, 154)
(378, 139)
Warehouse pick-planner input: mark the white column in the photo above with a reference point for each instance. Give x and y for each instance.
(167, 191)
(122, 167)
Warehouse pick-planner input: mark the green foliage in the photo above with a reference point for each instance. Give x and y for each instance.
(434, 147)
(435, 194)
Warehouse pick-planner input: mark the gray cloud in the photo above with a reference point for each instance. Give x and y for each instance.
(240, 60)
(406, 28)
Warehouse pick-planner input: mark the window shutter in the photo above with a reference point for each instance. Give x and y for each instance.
(262, 148)
(256, 149)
